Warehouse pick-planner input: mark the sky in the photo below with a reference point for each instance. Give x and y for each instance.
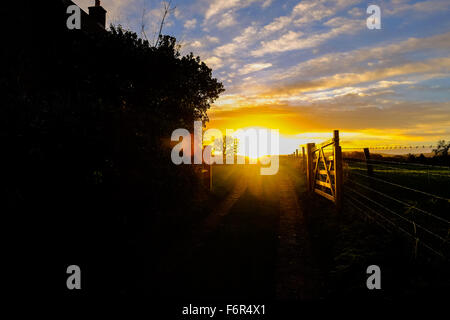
(309, 67)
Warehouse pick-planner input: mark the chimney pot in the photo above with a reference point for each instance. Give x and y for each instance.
(98, 13)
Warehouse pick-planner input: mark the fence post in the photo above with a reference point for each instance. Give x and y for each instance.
(296, 153)
(368, 165)
(303, 160)
(338, 171)
(235, 150)
(210, 177)
(309, 165)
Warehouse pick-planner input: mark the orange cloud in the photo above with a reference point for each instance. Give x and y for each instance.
(348, 79)
(399, 122)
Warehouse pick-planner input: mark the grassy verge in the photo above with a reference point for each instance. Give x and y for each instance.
(345, 245)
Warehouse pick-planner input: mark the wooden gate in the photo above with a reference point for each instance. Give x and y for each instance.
(324, 169)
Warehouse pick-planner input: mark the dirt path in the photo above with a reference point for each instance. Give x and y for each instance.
(212, 221)
(295, 278)
(253, 244)
(185, 251)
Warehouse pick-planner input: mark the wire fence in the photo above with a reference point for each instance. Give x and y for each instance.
(393, 147)
(409, 198)
(408, 164)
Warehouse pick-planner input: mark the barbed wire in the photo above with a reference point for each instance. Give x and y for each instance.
(398, 227)
(409, 163)
(413, 223)
(395, 147)
(404, 170)
(346, 197)
(399, 162)
(402, 202)
(404, 187)
(377, 213)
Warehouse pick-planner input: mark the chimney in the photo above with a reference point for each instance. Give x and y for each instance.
(98, 14)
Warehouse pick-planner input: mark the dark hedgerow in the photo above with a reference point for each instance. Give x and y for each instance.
(85, 124)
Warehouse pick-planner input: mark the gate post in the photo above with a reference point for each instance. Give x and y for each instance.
(368, 165)
(338, 171)
(309, 165)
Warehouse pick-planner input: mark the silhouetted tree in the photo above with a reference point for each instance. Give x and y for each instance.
(441, 155)
(411, 157)
(442, 149)
(422, 159)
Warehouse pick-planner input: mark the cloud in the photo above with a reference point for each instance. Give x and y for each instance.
(396, 7)
(212, 39)
(196, 44)
(238, 43)
(214, 62)
(247, 35)
(177, 13)
(308, 12)
(356, 12)
(289, 41)
(226, 20)
(266, 3)
(351, 61)
(190, 24)
(278, 24)
(293, 40)
(348, 79)
(226, 50)
(376, 89)
(252, 67)
(371, 86)
(217, 7)
(380, 122)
